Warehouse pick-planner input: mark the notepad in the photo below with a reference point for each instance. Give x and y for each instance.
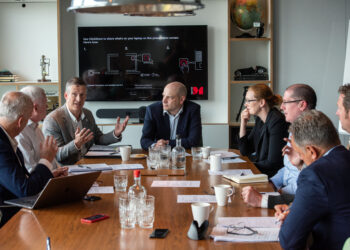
(247, 178)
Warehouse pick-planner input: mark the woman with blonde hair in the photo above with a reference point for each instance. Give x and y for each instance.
(264, 143)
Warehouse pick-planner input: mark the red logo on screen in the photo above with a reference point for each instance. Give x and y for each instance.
(197, 91)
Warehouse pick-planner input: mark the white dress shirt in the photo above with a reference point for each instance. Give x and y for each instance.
(29, 141)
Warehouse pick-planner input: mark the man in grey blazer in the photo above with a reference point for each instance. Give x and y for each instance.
(74, 126)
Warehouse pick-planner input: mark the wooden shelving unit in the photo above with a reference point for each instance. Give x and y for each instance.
(245, 53)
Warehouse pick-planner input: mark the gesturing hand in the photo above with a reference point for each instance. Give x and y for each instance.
(161, 143)
(119, 128)
(48, 148)
(82, 137)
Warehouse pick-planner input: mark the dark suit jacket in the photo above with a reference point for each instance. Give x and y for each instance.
(321, 204)
(15, 180)
(59, 124)
(279, 199)
(266, 140)
(157, 126)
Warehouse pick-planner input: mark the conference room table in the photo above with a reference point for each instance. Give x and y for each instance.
(29, 229)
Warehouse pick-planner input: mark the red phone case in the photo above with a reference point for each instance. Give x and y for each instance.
(94, 218)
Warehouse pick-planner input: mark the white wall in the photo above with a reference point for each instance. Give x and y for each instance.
(215, 109)
(310, 47)
(25, 35)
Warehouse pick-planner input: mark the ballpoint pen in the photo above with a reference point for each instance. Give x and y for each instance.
(48, 243)
(285, 211)
(81, 166)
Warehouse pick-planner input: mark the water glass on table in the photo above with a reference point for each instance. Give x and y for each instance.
(146, 211)
(196, 153)
(164, 156)
(127, 211)
(153, 157)
(120, 182)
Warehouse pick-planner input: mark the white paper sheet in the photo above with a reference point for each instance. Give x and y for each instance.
(264, 235)
(101, 153)
(231, 172)
(176, 184)
(235, 160)
(262, 222)
(101, 190)
(197, 198)
(103, 148)
(89, 167)
(126, 166)
(224, 153)
(265, 226)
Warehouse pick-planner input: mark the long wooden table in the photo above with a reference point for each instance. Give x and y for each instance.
(28, 229)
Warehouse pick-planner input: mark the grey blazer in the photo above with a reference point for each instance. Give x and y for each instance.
(59, 124)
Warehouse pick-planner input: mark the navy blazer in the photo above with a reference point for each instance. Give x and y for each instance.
(15, 181)
(266, 141)
(157, 126)
(321, 205)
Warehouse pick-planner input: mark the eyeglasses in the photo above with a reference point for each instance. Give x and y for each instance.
(286, 102)
(240, 230)
(249, 101)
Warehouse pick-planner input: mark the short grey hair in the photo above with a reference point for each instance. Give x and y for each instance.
(14, 104)
(313, 127)
(77, 81)
(35, 93)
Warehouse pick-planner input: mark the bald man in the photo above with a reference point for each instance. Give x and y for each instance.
(173, 115)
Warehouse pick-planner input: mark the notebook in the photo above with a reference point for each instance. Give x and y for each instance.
(57, 191)
(247, 178)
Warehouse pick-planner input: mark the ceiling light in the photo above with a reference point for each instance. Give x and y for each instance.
(137, 7)
(164, 14)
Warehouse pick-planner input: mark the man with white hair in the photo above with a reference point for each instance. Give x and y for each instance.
(31, 137)
(15, 180)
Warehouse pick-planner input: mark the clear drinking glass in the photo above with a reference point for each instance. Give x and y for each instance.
(120, 182)
(146, 212)
(153, 157)
(196, 153)
(164, 156)
(127, 211)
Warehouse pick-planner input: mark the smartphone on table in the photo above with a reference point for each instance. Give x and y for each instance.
(94, 218)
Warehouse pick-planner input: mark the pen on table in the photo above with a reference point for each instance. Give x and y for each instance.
(81, 166)
(278, 220)
(48, 243)
(229, 158)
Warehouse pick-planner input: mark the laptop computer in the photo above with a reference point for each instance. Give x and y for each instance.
(58, 190)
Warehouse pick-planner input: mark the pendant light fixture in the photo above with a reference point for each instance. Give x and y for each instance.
(138, 7)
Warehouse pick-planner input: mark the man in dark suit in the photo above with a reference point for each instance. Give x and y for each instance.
(173, 116)
(322, 201)
(74, 126)
(15, 180)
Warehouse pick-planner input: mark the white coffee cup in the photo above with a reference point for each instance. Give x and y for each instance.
(201, 211)
(205, 152)
(222, 192)
(215, 162)
(125, 152)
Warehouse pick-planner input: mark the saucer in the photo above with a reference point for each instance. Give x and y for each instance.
(138, 156)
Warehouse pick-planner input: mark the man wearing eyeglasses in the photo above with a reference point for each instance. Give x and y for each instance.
(296, 99)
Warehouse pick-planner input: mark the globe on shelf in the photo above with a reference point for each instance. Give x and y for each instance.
(245, 12)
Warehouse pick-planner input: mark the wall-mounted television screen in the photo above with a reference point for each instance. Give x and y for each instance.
(134, 63)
